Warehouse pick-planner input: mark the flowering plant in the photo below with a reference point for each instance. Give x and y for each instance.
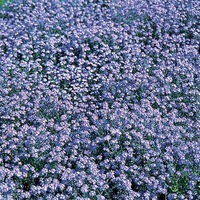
(99, 99)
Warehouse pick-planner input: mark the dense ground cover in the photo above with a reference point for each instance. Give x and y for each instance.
(99, 99)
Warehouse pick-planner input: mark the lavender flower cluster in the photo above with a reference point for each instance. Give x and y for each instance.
(99, 100)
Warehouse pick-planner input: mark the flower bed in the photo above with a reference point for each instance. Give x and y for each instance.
(99, 99)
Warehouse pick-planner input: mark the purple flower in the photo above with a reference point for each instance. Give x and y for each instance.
(99, 99)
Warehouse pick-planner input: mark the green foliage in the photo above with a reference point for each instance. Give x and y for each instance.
(36, 163)
(179, 184)
(2, 2)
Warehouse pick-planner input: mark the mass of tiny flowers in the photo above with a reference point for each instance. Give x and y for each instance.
(100, 100)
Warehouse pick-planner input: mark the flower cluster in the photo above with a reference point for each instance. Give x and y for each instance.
(99, 99)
